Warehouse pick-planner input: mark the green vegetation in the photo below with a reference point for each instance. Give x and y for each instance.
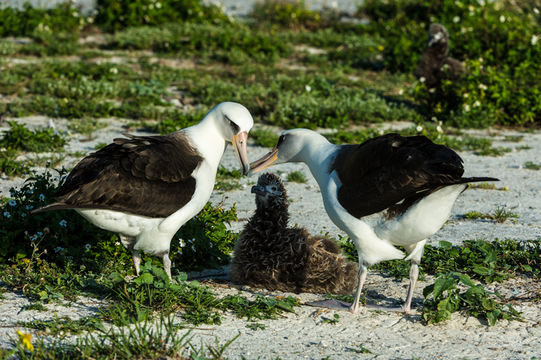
(486, 261)
(497, 41)
(227, 180)
(147, 339)
(487, 186)
(264, 138)
(333, 321)
(483, 261)
(18, 137)
(444, 297)
(531, 165)
(500, 215)
(296, 176)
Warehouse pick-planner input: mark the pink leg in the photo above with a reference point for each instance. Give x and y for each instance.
(354, 308)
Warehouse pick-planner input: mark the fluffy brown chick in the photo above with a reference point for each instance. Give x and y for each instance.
(271, 255)
(436, 65)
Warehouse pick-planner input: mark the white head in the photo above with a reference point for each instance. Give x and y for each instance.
(234, 123)
(293, 146)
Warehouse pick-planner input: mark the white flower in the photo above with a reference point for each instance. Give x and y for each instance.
(113, 70)
(481, 2)
(471, 8)
(158, 5)
(117, 243)
(401, 91)
(456, 19)
(308, 88)
(483, 87)
(422, 79)
(432, 90)
(88, 246)
(502, 18)
(534, 40)
(439, 129)
(476, 103)
(535, 10)
(465, 95)
(419, 128)
(181, 243)
(466, 107)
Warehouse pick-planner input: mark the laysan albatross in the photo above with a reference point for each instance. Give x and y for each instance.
(146, 187)
(412, 182)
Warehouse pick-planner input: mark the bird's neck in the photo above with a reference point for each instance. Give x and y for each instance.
(275, 216)
(319, 158)
(208, 139)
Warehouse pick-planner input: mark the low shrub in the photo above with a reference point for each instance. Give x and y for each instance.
(18, 137)
(63, 17)
(234, 43)
(115, 15)
(497, 40)
(286, 13)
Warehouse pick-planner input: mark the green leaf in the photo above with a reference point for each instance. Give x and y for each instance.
(442, 284)
(466, 280)
(481, 270)
(116, 277)
(492, 318)
(146, 278)
(445, 245)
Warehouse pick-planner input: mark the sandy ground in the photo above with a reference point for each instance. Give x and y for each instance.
(306, 334)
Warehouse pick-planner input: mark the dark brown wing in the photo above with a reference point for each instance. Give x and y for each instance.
(385, 170)
(142, 175)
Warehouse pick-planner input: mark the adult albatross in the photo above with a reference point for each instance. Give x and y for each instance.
(410, 180)
(146, 187)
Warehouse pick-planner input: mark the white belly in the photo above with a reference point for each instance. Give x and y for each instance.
(153, 235)
(125, 224)
(421, 220)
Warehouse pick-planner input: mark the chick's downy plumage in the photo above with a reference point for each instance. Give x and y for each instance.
(436, 64)
(271, 255)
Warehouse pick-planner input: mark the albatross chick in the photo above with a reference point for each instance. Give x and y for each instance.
(271, 255)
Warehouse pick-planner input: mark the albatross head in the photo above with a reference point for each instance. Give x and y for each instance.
(234, 122)
(292, 146)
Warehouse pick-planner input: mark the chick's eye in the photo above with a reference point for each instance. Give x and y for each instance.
(273, 188)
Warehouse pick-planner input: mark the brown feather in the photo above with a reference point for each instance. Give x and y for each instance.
(393, 172)
(141, 175)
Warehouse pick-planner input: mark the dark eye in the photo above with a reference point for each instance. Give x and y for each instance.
(273, 188)
(233, 126)
(281, 140)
